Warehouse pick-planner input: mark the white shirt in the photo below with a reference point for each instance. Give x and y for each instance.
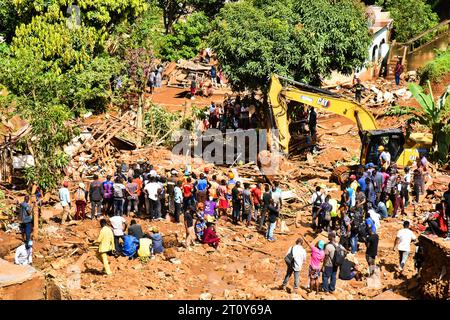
(299, 256)
(117, 224)
(317, 194)
(152, 190)
(404, 237)
(23, 255)
(375, 217)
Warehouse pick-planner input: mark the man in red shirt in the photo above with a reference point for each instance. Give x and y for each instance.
(188, 198)
(437, 221)
(140, 194)
(256, 195)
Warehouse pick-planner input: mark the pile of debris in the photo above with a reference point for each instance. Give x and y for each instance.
(100, 143)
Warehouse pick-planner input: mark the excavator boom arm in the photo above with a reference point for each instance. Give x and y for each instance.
(317, 98)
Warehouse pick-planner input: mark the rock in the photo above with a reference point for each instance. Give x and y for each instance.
(206, 296)
(170, 253)
(226, 293)
(92, 234)
(7, 245)
(389, 295)
(374, 281)
(175, 261)
(59, 264)
(20, 282)
(337, 124)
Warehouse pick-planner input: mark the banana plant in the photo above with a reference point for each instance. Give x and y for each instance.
(433, 114)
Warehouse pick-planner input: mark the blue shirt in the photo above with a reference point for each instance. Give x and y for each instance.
(350, 194)
(178, 195)
(25, 212)
(362, 183)
(371, 224)
(202, 184)
(157, 243)
(130, 245)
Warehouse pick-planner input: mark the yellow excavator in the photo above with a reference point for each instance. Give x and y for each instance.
(403, 152)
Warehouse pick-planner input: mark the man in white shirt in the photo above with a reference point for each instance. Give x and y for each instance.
(24, 254)
(403, 239)
(152, 190)
(119, 225)
(64, 198)
(299, 257)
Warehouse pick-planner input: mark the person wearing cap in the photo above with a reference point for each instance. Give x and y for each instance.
(80, 201)
(96, 197)
(24, 254)
(106, 245)
(315, 263)
(329, 269)
(298, 254)
(157, 240)
(353, 182)
(64, 198)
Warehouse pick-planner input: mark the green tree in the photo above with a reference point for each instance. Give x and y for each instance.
(433, 114)
(304, 40)
(186, 39)
(411, 17)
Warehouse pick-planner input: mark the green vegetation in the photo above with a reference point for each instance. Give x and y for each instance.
(300, 39)
(436, 69)
(434, 115)
(411, 17)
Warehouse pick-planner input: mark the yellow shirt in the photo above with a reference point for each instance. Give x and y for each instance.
(389, 207)
(105, 240)
(144, 247)
(354, 185)
(334, 207)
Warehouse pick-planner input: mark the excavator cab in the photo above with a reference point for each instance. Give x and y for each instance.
(392, 139)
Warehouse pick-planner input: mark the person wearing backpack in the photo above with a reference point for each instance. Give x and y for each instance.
(317, 199)
(80, 202)
(334, 257)
(96, 197)
(324, 214)
(295, 257)
(108, 196)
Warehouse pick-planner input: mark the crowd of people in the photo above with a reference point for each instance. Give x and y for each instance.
(374, 193)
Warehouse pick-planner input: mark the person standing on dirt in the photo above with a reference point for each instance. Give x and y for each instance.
(256, 197)
(140, 194)
(277, 195)
(359, 88)
(132, 197)
(400, 192)
(274, 213)
(96, 196)
(119, 196)
(26, 218)
(80, 201)
(108, 196)
(317, 199)
(152, 190)
(295, 257)
(398, 72)
(370, 192)
(403, 240)
(324, 215)
(193, 87)
(345, 227)
(371, 250)
(189, 225)
(171, 183)
(223, 201)
(360, 200)
(315, 263)
(188, 196)
(178, 201)
(236, 199)
(119, 226)
(312, 125)
(329, 267)
(151, 81)
(64, 198)
(247, 204)
(106, 245)
(201, 185)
